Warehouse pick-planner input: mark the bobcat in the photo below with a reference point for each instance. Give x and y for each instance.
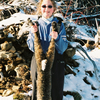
(44, 65)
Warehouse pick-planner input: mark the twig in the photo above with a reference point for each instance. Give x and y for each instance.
(81, 54)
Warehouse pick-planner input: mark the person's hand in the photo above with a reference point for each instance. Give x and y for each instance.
(34, 28)
(54, 34)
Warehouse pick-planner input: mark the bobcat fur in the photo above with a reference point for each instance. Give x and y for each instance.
(44, 74)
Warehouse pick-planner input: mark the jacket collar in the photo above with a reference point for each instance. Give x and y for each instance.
(48, 21)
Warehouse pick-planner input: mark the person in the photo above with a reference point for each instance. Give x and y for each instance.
(47, 8)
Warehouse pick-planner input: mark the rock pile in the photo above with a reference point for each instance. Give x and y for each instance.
(15, 60)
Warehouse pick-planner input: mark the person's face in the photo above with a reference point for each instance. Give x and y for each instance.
(47, 8)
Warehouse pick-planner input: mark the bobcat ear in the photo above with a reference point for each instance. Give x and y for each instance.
(59, 16)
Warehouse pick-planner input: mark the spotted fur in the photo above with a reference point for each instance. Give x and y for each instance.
(44, 76)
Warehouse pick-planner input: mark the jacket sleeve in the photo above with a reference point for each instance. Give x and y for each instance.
(61, 41)
(30, 41)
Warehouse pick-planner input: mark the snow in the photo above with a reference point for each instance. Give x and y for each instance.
(76, 83)
(6, 98)
(16, 18)
(71, 82)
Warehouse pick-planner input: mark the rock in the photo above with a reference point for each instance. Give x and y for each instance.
(86, 80)
(6, 46)
(2, 35)
(8, 85)
(5, 54)
(18, 96)
(12, 50)
(70, 52)
(1, 91)
(76, 95)
(1, 75)
(68, 70)
(9, 65)
(15, 88)
(21, 69)
(7, 92)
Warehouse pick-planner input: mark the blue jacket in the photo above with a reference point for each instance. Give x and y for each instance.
(61, 42)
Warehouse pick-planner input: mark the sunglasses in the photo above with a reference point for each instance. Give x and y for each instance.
(44, 6)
